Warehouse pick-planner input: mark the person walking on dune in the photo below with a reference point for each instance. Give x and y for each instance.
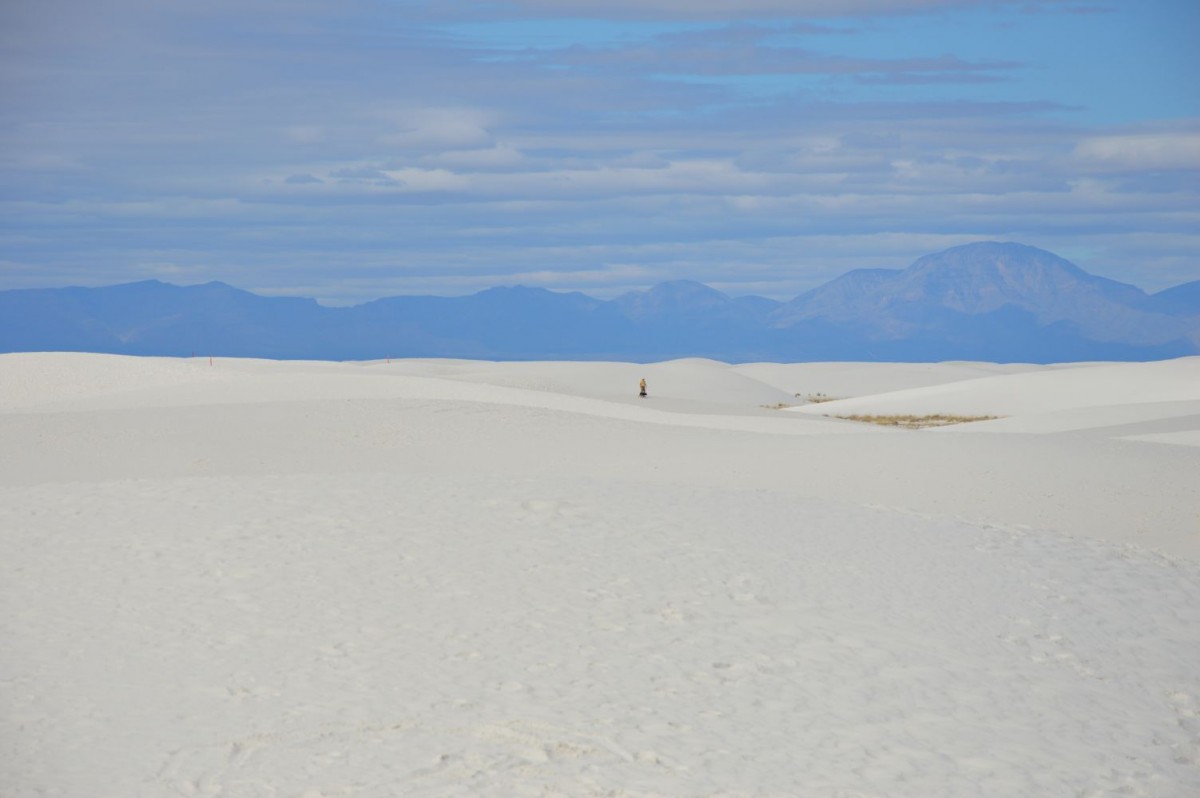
(642, 388)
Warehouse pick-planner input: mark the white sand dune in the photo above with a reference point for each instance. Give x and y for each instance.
(1035, 392)
(693, 381)
(460, 578)
(846, 380)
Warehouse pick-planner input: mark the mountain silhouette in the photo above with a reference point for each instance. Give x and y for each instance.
(994, 301)
(1182, 300)
(1008, 301)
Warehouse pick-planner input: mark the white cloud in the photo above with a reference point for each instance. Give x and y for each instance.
(1139, 151)
(413, 180)
(439, 129)
(305, 134)
(501, 156)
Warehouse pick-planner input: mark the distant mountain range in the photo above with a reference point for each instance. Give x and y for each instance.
(986, 301)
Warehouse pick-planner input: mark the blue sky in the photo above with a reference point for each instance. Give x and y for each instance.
(352, 149)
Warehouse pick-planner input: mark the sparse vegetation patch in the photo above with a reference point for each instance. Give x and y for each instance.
(817, 398)
(917, 422)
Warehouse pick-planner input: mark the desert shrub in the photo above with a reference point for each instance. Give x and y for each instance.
(916, 422)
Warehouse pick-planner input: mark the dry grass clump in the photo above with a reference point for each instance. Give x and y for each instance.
(817, 398)
(778, 406)
(917, 422)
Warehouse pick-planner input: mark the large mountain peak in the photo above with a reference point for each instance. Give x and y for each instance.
(975, 277)
(674, 297)
(993, 253)
(987, 276)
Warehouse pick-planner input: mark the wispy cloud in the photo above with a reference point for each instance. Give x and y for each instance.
(362, 148)
(711, 9)
(745, 50)
(1144, 151)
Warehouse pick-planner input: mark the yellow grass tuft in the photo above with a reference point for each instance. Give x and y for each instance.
(817, 398)
(917, 422)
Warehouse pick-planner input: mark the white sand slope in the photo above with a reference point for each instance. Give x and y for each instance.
(847, 380)
(454, 578)
(1048, 400)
